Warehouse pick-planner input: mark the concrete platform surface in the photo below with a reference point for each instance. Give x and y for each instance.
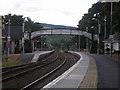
(32, 57)
(73, 77)
(37, 54)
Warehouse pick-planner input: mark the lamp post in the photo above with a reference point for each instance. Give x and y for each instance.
(92, 27)
(23, 39)
(23, 28)
(87, 40)
(111, 29)
(1, 28)
(105, 28)
(99, 32)
(105, 32)
(8, 39)
(99, 29)
(111, 12)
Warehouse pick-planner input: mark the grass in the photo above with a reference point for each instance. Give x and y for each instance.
(10, 63)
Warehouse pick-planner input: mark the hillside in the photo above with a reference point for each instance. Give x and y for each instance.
(45, 25)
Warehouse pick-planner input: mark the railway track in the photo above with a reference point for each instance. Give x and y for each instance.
(45, 57)
(31, 76)
(27, 68)
(8, 74)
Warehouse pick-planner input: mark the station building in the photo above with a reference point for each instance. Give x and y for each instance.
(112, 43)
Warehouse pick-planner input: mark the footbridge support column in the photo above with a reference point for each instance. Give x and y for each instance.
(94, 47)
(28, 46)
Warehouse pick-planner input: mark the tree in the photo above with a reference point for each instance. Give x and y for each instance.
(17, 20)
(104, 9)
(31, 25)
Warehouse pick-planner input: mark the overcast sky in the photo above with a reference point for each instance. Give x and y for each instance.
(59, 12)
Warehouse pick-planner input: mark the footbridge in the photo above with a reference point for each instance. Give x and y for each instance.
(62, 32)
(94, 38)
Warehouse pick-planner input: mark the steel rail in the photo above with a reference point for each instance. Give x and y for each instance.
(27, 66)
(34, 68)
(46, 75)
(23, 65)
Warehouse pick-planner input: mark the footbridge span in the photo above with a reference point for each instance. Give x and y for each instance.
(62, 32)
(29, 36)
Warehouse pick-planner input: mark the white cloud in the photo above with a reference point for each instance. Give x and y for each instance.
(64, 12)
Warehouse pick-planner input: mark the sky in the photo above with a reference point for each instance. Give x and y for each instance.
(58, 12)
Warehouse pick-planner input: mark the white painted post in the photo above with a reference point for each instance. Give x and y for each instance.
(23, 36)
(8, 39)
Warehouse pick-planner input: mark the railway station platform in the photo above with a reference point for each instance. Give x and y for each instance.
(81, 75)
(32, 57)
(37, 54)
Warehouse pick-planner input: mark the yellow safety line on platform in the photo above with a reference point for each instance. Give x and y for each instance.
(90, 79)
